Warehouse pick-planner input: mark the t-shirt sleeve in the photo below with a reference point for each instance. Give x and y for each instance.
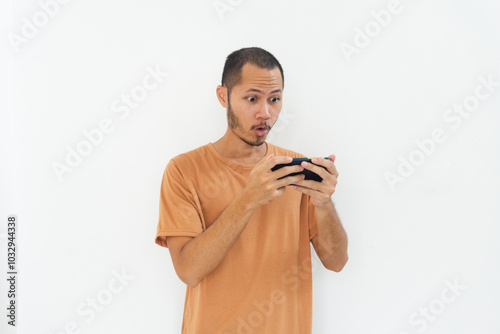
(313, 226)
(179, 214)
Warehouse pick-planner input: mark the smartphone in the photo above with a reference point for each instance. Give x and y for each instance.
(297, 161)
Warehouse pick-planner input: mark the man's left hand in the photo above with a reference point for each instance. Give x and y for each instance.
(320, 192)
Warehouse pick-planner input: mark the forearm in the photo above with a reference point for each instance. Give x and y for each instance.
(204, 253)
(331, 238)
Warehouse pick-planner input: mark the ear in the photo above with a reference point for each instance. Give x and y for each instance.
(222, 95)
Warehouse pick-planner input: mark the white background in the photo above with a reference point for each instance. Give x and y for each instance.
(439, 225)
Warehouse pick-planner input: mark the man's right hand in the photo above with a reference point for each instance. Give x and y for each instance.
(263, 185)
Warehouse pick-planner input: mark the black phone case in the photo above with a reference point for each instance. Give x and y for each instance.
(297, 161)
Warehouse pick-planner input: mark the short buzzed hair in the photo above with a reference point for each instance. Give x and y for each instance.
(231, 76)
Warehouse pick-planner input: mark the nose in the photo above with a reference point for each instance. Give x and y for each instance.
(263, 111)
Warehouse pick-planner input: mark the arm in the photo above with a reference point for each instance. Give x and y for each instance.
(331, 241)
(195, 258)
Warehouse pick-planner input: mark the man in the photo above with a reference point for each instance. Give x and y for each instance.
(239, 237)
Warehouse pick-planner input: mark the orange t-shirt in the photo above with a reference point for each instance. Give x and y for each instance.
(264, 285)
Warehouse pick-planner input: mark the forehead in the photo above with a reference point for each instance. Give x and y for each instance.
(255, 77)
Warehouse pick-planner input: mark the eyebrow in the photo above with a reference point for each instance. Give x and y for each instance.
(259, 91)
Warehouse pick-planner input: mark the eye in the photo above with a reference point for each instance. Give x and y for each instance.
(251, 98)
(275, 99)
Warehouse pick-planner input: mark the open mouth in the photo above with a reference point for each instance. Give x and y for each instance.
(261, 130)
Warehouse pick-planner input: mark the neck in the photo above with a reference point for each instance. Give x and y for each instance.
(232, 147)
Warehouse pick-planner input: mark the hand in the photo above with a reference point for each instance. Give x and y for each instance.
(263, 185)
(320, 192)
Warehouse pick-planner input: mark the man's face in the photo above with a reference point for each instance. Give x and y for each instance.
(255, 103)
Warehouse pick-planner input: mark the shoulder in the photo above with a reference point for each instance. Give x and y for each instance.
(187, 162)
(191, 156)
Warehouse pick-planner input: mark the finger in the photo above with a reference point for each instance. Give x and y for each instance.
(321, 161)
(301, 189)
(311, 184)
(283, 170)
(316, 169)
(335, 172)
(329, 165)
(287, 170)
(286, 181)
(334, 168)
(264, 164)
(305, 190)
(273, 160)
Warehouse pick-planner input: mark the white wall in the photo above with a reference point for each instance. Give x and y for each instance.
(437, 226)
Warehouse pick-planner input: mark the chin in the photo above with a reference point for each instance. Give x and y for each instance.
(257, 142)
